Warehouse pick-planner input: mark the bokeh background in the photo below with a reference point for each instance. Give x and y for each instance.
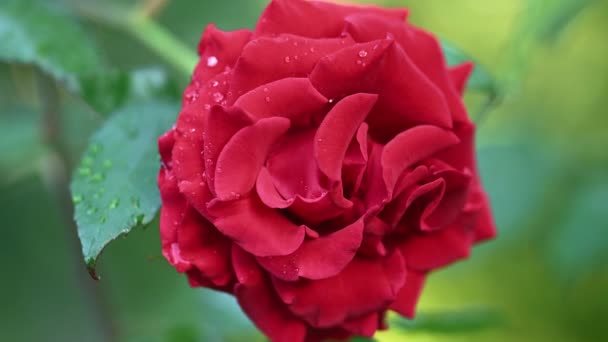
(542, 153)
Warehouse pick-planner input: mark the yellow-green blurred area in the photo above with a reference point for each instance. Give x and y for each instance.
(542, 153)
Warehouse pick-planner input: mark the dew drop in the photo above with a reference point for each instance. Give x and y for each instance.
(212, 61)
(97, 177)
(312, 49)
(267, 99)
(331, 101)
(362, 53)
(217, 97)
(114, 203)
(287, 59)
(214, 83)
(359, 62)
(265, 89)
(207, 106)
(191, 96)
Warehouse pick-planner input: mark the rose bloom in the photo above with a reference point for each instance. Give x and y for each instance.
(321, 167)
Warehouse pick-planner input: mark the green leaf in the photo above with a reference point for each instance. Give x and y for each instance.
(362, 339)
(462, 321)
(114, 188)
(43, 34)
(481, 79)
(108, 90)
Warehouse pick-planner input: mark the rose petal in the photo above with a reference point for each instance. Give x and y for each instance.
(188, 240)
(355, 162)
(221, 125)
(411, 147)
(218, 50)
(315, 19)
(422, 47)
(268, 59)
(430, 251)
(320, 258)
(337, 130)
(363, 287)
(258, 229)
(293, 167)
(403, 101)
(256, 297)
(459, 75)
(406, 301)
(292, 98)
(205, 248)
(241, 159)
(365, 326)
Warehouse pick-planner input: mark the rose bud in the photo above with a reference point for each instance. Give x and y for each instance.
(321, 166)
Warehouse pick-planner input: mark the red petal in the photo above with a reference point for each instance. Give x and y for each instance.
(221, 125)
(371, 68)
(218, 50)
(355, 162)
(320, 258)
(429, 251)
(459, 75)
(188, 240)
(363, 287)
(422, 47)
(337, 130)
(411, 147)
(315, 19)
(256, 296)
(205, 248)
(406, 301)
(363, 326)
(268, 59)
(293, 98)
(241, 159)
(258, 229)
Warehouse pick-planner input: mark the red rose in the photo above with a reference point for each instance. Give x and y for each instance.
(322, 165)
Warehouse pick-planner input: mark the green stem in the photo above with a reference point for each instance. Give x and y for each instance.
(163, 43)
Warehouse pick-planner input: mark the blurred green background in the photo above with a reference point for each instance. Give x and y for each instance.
(542, 154)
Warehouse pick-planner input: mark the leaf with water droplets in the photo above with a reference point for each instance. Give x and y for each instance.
(114, 188)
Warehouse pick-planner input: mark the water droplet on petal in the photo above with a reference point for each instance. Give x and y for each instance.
(214, 83)
(312, 49)
(287, 59)
(267, 99)
(362, 53)
(265, 90)
(207, 106)
(191, 96)
(217, 97)
(212, 61)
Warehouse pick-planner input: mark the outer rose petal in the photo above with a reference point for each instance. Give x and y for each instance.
(459, 75)
(315, 19)
(363, 287)
(258, 229)
(256, 296)
(319, 258)
(429, 251)
(292, 98)
(337, 130)
(363, 326)
(371, 67)
(218, 50)
(267, 59)
(188, 240)
(243, 156)
(422, 47)
(406, 301)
